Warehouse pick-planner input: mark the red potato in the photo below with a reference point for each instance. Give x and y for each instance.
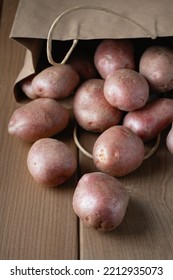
(169, 140)
(51, 162)
(156, 65)
(126, 89)
(149, 121)
(114, 54)
(100, 201)
(55, 82)
(91, 109)
(37, 119)
(118, 151)
(83, 63)
(26, 87)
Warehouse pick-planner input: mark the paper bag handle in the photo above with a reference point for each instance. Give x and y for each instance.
(75, 41)
(87, 154)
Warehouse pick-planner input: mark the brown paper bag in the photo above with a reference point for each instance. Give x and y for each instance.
(85, 20)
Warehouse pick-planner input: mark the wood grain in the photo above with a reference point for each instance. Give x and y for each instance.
(35, 222)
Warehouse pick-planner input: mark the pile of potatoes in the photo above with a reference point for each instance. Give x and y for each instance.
(112, 93)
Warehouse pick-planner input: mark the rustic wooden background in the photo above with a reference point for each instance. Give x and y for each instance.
(39, 223)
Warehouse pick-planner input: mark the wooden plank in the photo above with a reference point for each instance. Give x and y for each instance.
(147, 230)
(0, 11)
(36, 222)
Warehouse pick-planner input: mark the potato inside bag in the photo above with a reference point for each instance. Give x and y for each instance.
(85, 22)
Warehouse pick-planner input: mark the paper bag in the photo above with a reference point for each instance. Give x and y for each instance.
(85, 20)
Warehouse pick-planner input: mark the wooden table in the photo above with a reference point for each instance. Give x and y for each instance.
(39, 223)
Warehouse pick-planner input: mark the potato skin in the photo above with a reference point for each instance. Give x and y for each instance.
(37, 119)
(126, 89)
(100, 201)
(150, 120)
(55, 82)
(114, 54)
(26, 87)
(118, 151)
(91, 109)
(51, 162)
(156, 65)
(83, 63)
(169, 140)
